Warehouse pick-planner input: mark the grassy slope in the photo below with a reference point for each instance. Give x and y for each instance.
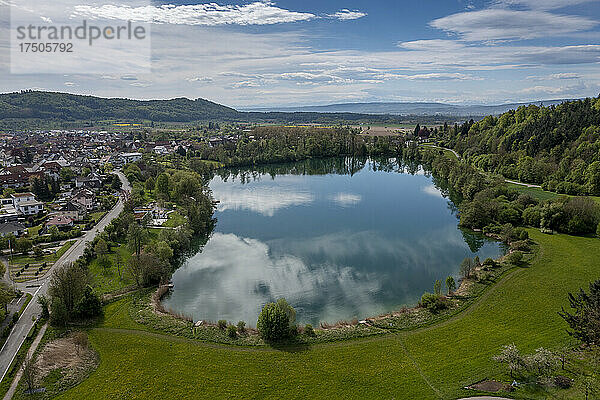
(521, 309)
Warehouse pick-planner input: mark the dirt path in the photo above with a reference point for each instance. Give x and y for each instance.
(34, 345)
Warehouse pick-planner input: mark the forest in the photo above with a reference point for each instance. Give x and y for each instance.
(557, 147)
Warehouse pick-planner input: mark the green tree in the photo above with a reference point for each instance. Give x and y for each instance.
(150, 184)
(162, 185)
(101, 248)
(136, 238)
(23, 245)
(67, 286)
(584, 321)
(450, 284)
(67, 174)
(274, 321)
(467, 268)
(437, 287)
(6, 295)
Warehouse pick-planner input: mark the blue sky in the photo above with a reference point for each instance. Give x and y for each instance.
(276, 53)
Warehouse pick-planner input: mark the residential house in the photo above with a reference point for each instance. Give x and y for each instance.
(89, 182)
(73, 210)
(12, 228)
(85, 198)
(26, 204)
(62, 223)
(130, 157)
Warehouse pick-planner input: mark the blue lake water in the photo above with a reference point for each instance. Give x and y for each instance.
(339, 239)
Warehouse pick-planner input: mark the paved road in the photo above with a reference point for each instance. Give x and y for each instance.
(23, 326)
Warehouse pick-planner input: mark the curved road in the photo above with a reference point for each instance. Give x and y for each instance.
(24, 324)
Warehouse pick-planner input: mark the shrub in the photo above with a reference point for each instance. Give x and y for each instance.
(563, 382)
(520, 245)
(489, 262)
(275, 321)
(308, 330)
(15, 317)
(241, 327)
(433, 302)
(232, 331)
(222, 324)
(515, 257)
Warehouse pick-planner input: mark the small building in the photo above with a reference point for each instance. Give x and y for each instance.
(62, 223)
(12, 228)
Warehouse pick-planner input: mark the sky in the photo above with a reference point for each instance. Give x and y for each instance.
(288, 53)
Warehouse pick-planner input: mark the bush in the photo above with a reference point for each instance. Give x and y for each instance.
(520, 245)
(563, 382)
(489, 262)
(276, 320)
(308, 330)
(232, 331)
(433, 302)
(241, 327)
(515, 257)
(222, 324)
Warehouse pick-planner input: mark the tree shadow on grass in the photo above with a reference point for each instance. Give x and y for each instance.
(293, 345)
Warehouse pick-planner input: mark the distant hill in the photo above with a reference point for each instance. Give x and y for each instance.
(64, 106)
(405, 109)
(36, 109)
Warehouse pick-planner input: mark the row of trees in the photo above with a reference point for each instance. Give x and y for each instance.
(486, 202)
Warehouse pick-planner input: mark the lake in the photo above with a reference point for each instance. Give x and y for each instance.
(339, 239)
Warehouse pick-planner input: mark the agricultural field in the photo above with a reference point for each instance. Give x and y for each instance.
(433, 362)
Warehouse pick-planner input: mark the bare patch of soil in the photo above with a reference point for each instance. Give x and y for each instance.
(491, 386)
(71, 355)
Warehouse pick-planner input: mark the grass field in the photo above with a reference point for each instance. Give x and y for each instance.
(106, 281)
(430, 363)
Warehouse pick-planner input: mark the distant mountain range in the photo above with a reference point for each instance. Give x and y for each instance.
(28, 109)
(406, 109)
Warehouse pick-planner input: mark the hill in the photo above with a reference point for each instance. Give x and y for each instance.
(557, 146)
(69, 107)
(410, 108)
(36, 109)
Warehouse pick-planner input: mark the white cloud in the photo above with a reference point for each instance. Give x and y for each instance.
(432, 190)
(200, 79)
(565, 75)
(346, 199)
(541, 4)
(209, 14)
(502, 24)
(262, 200)
(347, 15)
(441, 76)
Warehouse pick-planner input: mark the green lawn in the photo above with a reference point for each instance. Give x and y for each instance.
(175, 220)
(429, 363)
(534, 192)
(541, 194)
(30, 259)
(106, 281)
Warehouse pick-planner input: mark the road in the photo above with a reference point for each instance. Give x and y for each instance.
(25, 323)
(529, 185)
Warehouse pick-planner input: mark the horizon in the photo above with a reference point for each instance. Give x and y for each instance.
(266, 54)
